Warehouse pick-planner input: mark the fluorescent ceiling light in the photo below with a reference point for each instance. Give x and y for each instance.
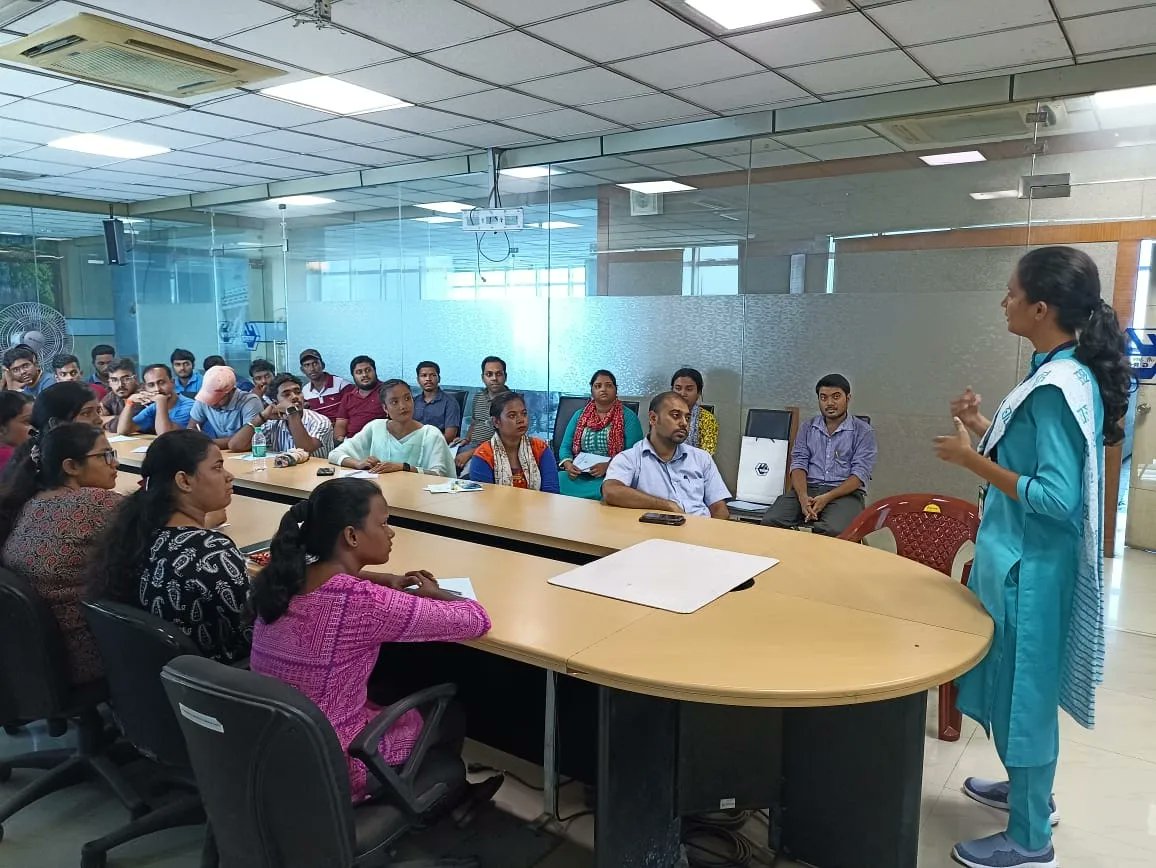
(555, 224)
(527, 172)
(954, 158)
(437, 219)
(733, 14)
(1132, 96)
(658, 187)
(96, 262)
(334, 96)
(49, 238)
(107, 146)
(446, 207)
(995, 194)
(301, 200)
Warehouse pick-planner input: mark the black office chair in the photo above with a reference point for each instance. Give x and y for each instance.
(568, 405)
(276, 785)
(866, 419)
(459, 395)
(134, 647)
(708, 407)
(632, 406)
(769, 424)
(34, 684)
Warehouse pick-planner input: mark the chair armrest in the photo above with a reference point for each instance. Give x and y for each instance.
(243, 663)
(399, 785)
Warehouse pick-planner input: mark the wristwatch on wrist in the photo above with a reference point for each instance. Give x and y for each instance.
(405, 466)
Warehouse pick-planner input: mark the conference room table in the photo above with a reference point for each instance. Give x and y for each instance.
(805, 693)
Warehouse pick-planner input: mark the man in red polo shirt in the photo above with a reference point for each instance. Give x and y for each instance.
(323, 391)
(362, 404)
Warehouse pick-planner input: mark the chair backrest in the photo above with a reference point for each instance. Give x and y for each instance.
(568, 405)
(459, 395)
(134, 647)
(771, 424)
(34, 680)
(632, 406)
(928, 528)
(270, 770)
(866, 419)
(708, 407)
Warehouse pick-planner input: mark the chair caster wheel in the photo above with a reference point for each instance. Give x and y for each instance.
(93, 860)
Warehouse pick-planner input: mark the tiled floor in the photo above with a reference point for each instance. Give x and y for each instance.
(1106, 786)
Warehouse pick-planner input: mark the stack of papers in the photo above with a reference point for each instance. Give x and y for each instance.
(585, 460)
(121, 438)
(454, 486)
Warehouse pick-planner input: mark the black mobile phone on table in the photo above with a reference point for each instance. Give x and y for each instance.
(667, 518)
(324, 471)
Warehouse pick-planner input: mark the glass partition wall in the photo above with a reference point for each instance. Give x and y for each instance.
(768, 263)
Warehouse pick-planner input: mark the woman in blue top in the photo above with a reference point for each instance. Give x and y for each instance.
(1037, 567)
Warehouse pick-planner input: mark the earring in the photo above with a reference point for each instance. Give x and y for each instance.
(354, 544)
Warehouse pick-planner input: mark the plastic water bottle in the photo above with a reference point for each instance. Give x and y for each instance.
(260, 450)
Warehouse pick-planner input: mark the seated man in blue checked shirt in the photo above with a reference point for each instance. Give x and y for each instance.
(287, 423)
(831, 462)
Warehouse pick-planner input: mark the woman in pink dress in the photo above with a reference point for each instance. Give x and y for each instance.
(321, 619)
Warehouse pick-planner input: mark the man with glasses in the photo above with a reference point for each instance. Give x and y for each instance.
(23, 372)
(122, 385)
(158, 408)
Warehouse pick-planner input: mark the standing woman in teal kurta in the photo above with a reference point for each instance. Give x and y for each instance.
(1037, 566)
(602, 428)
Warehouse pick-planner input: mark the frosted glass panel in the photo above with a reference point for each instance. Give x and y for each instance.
(164, 327)
(342, 330)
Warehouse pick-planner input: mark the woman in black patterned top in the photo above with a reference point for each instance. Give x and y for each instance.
(158, 555)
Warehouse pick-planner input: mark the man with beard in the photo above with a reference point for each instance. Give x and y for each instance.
(831, 463)
(362, 404)
(662, 472)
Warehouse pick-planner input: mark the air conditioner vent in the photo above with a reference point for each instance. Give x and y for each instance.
(985, 125)
(108, 52)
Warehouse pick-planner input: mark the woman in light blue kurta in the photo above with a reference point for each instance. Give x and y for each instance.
(398, 443)
(604, 427)
(1037, 567)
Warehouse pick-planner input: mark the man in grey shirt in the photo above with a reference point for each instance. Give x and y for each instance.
(481, 425)
(662, 472)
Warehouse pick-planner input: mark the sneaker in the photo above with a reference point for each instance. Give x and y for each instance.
(994, 795)
(1000, 851)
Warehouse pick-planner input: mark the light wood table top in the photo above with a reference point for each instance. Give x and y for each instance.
(832, 624)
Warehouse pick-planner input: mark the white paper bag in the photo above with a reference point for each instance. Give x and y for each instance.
(762, 468)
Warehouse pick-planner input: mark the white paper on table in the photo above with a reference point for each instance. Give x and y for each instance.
(246, 457)
(464, 588)
(121, 438)
(140, 450)
(357, 474)
(454, 486)
(665, 574)
(585, 460)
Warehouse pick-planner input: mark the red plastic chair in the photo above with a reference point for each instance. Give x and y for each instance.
(930, 529)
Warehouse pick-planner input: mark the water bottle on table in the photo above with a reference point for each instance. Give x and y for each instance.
(260, 450)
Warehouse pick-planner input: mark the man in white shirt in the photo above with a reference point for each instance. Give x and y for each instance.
(323, 391)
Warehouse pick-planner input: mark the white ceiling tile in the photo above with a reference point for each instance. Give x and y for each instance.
(70, 158)
(847, 150)
(109, 102)
(625, 29)
(884, 88)
(209, 19)
(364, 156)
(529, 11)
(5, 99)
(492, 136)
(661, 158)
(1068, 8)
(204, 124)
(917, 21)
(415, 25)
(563, 123)
(423, 146)
(414, 80)
(871, 70)
(685, 119)
(264, 110)
(995, 50)
(808, 41)
(644, 109)
(288, 140)
(416, 120)
(62, 117)
(764, 88)
(701, 166)
(152, 135)
(8, 147)
(241, 151)
(823, 137)
(20, 83)
(1113, 30)
(344, 130)
(189, 159)
(1112, 55)
(585, 86)
(497, 104)
(327, 51)
(507, 58)
(785, 157)
(19, 164)
(264, 171)
(35, 133)
(683, 67)
(1006, 70)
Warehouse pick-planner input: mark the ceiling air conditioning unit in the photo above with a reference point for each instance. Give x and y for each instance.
(108, 52)
(645, 204)
(972, 127)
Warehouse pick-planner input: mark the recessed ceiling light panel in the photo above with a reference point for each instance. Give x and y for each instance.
(555, 224)
(954, 158)
(107, 146)
(529, 172)
(1126, 98)
(334, 96)
(437, 219)
(995, 194)
(658, 187)
(446, 207)
(735, 14)
(301, 200)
